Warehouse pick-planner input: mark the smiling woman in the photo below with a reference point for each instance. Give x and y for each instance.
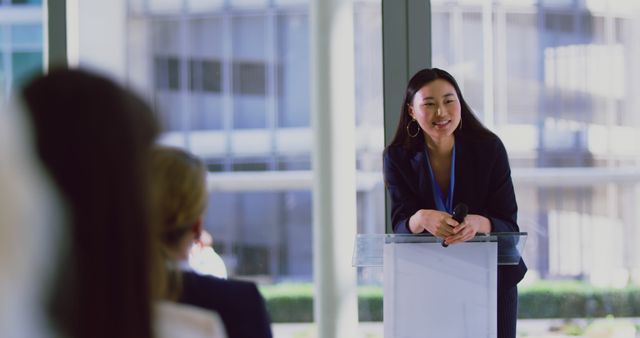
(436, 108)
(430, 168)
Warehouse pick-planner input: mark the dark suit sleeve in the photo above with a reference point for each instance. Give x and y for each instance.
(239, 304)
(257, 310)
(404, 203)
(502, 208)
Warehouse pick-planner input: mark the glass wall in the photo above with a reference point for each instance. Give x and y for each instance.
(21, 44)
(560, 90)
(231, 83)
(556, 80)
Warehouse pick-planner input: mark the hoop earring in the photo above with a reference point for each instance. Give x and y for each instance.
(409, 126)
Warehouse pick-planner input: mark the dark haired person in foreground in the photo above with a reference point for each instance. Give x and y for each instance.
(442, 155)
(95, 139)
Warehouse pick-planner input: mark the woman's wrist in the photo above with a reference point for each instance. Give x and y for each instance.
(482, 224)
(414, 224)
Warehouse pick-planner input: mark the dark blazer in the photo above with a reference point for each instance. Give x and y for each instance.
(482, 181)
(238, 303)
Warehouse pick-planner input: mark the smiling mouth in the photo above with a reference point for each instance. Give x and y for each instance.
(441, 123)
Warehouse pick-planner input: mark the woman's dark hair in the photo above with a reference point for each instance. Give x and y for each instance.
(94, 138)
(471, 124)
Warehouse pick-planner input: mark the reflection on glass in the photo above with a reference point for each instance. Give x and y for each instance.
(21, 44)
(26, 35)
(164, 6)
(25, 66)
(249, 71)
(293, 50)
(249, 3)
(196, 6)
(232, 83)
(26, 2)
(206, 74)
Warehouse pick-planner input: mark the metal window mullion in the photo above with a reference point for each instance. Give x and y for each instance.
(6, 60)
(406, 48)
(488, 65)
(272, 102)
(272, 119)
(501, 66)
(611, 107)
(456, 26)
(227, 87)
(156, 77)
(185, 100)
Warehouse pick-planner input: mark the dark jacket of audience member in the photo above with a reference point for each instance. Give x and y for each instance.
(239, 303)
(94, 138)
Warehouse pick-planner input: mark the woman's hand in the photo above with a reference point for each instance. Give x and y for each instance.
(438, 223)
(468, 229)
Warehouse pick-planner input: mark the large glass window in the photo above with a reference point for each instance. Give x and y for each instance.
(249, 68)
(293, 65)
(26, 2)
(555, 79)
(231, 83)
(560, 94)
(21, 44)
(206, 73)
(25, 65)
(168, 72)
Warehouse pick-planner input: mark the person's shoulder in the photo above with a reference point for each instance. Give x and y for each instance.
(209, 279)
(482, 142)
(212, 281)
(397, 152)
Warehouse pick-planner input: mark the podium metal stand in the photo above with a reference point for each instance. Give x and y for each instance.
(433, 291)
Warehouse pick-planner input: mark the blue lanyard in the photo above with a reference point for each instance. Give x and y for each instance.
(442, 203)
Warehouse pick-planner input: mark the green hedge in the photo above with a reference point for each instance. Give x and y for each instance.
(294, 302)
(577, 300)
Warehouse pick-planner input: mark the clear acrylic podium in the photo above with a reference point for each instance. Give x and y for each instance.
(433, 291)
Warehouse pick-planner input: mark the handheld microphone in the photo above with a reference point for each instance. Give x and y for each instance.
(459, 213)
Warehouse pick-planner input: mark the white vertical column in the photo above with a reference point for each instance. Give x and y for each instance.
(334, 187)
(500, 113)
(629, 219)
(612, 189)
(487, 47)
(457, 44)
(96, 36)
(183, 64)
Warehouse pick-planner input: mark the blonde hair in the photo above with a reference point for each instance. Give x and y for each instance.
(179, 180)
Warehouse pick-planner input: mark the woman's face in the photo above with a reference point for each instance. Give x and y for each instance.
(437, 109)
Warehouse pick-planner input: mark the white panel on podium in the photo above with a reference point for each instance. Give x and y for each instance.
(432, 291)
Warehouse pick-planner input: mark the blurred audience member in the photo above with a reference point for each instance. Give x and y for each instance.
(181, 196)
(28, 233)
(94, 138)
(175, 320)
